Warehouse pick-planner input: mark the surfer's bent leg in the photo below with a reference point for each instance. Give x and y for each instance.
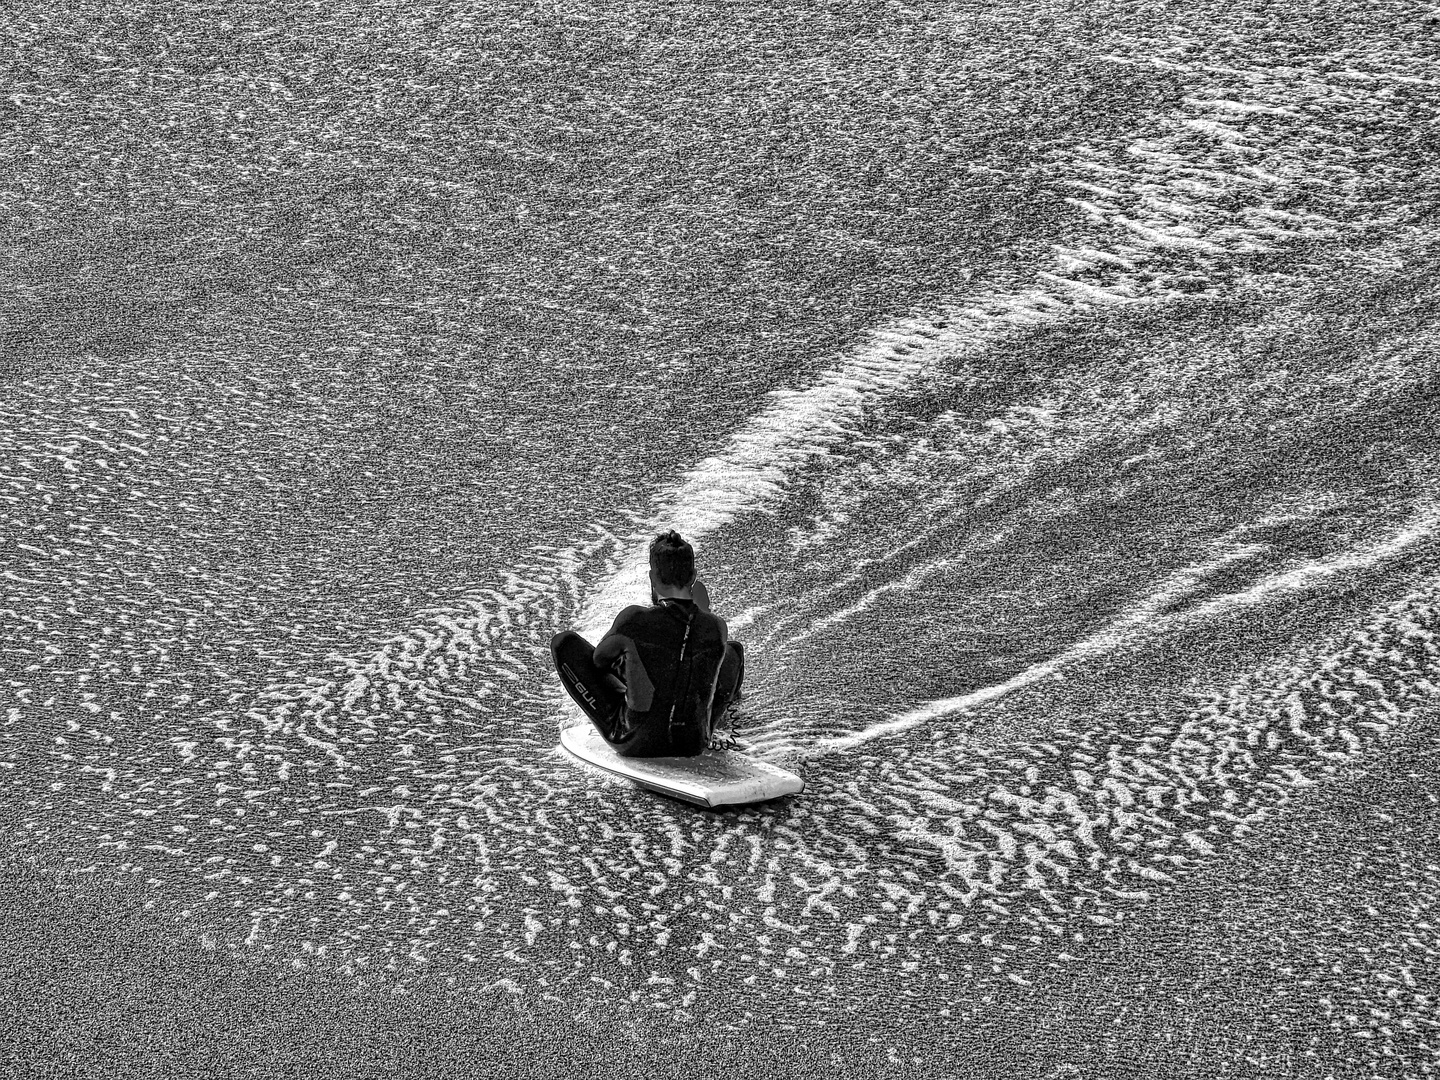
(593, 689)
(727, 683)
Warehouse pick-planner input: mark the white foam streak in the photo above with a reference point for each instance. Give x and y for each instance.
(909, 581)
(1141, 621)
(948, 706)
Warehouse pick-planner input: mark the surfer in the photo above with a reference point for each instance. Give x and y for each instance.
(664, 676)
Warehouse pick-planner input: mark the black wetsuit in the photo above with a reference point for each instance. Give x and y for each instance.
(679, 671)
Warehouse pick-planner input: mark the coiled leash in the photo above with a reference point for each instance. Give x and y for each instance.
(724, 739)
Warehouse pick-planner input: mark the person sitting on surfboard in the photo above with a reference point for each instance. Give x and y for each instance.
(664, 675)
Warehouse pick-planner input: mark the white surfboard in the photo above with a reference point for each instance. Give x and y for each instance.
(710, 778)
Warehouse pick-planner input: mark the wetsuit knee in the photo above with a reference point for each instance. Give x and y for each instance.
(557, 640)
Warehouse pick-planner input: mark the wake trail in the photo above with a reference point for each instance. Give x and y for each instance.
(1147, 620)
(1167, 219)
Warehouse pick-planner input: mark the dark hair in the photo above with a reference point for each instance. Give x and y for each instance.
(672, 559)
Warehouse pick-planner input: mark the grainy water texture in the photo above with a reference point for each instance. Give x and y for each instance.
(1050, 391)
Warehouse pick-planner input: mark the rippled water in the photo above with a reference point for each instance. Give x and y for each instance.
(1051, 397)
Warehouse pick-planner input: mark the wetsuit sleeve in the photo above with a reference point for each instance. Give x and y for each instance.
(639, 690)
(612, 645)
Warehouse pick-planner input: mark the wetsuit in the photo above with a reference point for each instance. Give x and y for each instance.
(677, 668)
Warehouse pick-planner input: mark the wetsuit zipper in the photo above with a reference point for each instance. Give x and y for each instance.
(680, 673)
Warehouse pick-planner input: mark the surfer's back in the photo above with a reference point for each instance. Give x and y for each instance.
(672, 653)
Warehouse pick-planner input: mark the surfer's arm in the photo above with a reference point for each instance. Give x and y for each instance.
(616, 645)
(612, 645)
(609, 650)
(607, 654)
